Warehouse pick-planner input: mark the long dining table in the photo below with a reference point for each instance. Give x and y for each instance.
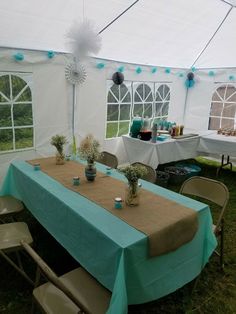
(113, 251)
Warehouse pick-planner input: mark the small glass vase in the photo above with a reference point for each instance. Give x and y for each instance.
(132, 194)
(60, 159)
(90, 171)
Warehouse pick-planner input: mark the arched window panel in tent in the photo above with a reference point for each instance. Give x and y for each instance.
(16, 112)
(118, 109)
(162, 101)
(130, 99)
(142, 99)
(223, 108)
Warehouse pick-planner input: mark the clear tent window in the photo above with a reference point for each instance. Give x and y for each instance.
(223, 107)
(16, 111)
(130, 99)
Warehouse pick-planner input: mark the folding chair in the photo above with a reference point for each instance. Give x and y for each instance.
(215, 192)
(75, 292)
(10, 236)
(9, 206)
(108, 159)
(151, 173)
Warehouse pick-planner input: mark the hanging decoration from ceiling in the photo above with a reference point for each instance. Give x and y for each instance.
(18, 56)
(118, 78)
(84, 39)
(138, 70)
(100, 65)
(75, 73)
(121, 69)
(50, 54)
(190, 82)
(211, 73)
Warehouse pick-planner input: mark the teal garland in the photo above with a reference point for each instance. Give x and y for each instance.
(18, 56)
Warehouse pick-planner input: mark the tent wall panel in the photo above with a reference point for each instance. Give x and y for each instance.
(51, 101)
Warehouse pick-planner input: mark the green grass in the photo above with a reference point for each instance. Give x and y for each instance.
(112, 129)
(23, 143)
(215, 291)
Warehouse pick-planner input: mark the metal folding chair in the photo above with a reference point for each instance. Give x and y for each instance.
(11, 235)
(215, 192)
(75, 292)
(9, 206)
(108, 159)
(151, 173)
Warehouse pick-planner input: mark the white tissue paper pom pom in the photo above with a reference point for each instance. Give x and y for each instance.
(83, 39)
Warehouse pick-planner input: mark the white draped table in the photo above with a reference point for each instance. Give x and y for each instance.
(171, 149)
(160, 152)
(218, 144)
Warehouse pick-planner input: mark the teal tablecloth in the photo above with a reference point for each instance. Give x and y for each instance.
(111, 250)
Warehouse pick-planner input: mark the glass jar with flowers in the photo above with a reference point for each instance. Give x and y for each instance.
(133, 173)
(59, 141)
(89, 150)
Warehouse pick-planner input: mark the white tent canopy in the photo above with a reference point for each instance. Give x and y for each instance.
(170, 33)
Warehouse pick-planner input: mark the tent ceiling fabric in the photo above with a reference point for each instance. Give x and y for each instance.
(43, 25)
(153, 32)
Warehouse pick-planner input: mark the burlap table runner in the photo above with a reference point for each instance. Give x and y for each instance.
(167, 224)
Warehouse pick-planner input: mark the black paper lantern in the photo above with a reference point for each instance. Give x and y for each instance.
(118, 78)
(190, 76)
(190, 82)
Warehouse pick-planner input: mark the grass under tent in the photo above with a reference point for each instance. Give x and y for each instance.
(214, 293)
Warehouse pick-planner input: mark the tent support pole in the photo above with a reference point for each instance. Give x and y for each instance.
(185, 105)
(116, 18)
(212, 37)
(73, 121)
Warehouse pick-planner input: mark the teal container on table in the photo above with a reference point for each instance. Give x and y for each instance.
(136, 127)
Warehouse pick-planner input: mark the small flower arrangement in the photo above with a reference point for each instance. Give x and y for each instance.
(133, 173)
(59, 141)
(89, 149)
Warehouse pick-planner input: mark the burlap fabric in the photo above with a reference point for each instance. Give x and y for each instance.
(167, 224)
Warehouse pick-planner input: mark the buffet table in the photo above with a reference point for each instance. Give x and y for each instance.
(217, 144)
(171, 149)
(113, 251)
(160, 152)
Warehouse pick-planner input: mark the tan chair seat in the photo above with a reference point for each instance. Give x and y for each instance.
(12, 233)
(10, 205)
(52, 300)
(82, 284)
